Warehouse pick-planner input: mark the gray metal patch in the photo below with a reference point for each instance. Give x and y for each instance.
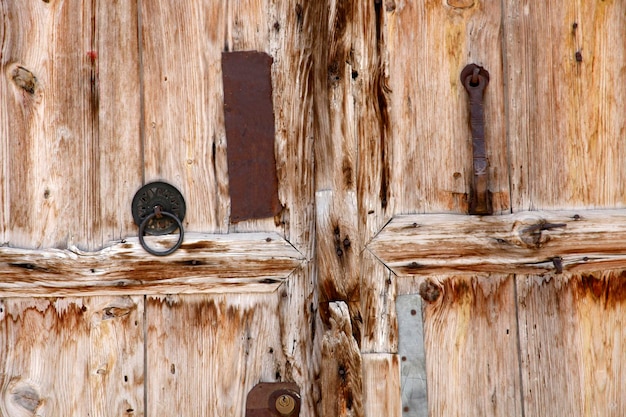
(412, 357)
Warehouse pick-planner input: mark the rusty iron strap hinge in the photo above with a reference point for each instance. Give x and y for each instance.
(475, 79)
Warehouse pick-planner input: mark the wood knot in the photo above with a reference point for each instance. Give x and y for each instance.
(461, 4)
(429, 291)
(24, 79)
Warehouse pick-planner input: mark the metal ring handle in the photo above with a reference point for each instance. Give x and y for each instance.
(142, 229)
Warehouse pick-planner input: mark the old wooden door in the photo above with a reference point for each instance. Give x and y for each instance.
(98, 98)
(522, 310)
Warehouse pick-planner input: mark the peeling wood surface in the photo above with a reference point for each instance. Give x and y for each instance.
(341, 367)
(72, 356)
(572, 342)
(565, 74)
(247, 262)
(525, 242)
(470, 339)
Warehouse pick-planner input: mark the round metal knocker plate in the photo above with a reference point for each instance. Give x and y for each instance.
(165, 196)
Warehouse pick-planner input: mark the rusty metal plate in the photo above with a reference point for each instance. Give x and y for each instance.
(249, 120)
(274, 399)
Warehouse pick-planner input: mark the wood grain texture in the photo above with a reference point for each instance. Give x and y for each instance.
(539, 241)
(564, 77)
(206, 352)
(470, 339)
(72, 357)
(427, 45)
(341, 366)
(572, 343)
(204, 263)
(69, 102)
(381, 385)
(379, 332)
(301, 341)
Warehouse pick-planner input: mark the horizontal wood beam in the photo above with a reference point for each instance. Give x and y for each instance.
(242, 262)
(525, 242)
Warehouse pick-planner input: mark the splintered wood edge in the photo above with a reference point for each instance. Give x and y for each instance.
(242, 262)
(524, 243)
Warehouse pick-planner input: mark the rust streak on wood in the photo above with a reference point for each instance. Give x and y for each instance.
(572, 340)
(523, 242)
(470, 340)
(204, 263)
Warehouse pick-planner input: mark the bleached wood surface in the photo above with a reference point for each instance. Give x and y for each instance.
(72, 356)
(204, 263)
(525, 242)
(573, 342)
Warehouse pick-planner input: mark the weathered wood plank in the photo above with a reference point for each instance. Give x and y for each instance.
(471, 344)
(204, 263)
(341, 366)
(526, 242)
(66, 68)
(184, 140)
(572, 344)
(428, 43)
(72, 356)
(206, 352)
(565, 83)
(381, 385)
(377, 307)
(301, 326)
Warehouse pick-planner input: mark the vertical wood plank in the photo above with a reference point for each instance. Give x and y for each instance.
(470, 339)
(381, 385)
(572, 344)
(301, 326)
(565, 86)
(428, 43)
(205, 353)
(341, 366)
(119, 147)
(63, 121)
(72, 356)
(184, 140)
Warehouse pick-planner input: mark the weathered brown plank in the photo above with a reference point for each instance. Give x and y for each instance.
(572, 344)
(67, 67)
(341, 366)
(565, 86)
(525, 242)
(381, 385)
(205, 352)
(72, 356)
(470, 339)
(427, 45)
(204, 263)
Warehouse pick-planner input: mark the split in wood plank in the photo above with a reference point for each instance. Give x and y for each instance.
(527, 242)
(245, 262)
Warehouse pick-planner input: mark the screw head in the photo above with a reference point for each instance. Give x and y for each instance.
(285, 404)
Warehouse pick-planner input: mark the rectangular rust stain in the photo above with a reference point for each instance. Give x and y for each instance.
(249, 120)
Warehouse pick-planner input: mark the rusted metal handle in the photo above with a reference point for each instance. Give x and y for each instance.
(475, 79)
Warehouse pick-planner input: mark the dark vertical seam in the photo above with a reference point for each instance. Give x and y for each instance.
(142, 107)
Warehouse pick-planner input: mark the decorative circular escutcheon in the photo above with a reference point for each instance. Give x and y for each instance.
(167, 198)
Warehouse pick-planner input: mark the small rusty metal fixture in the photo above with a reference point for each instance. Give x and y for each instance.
(273, 399)
(158, 209)
(475, 79)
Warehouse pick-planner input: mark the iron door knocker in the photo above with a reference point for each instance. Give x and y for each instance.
(159, 208)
